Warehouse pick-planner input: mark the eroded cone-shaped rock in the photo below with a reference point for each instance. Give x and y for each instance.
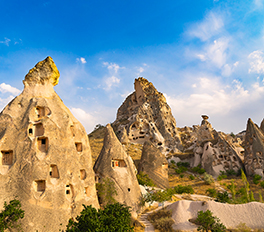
(123, 138)
(220, 156)
(114, 163)
(45, 155)
(205, 132)
(254, 149)
(147, 117)
(154, 163)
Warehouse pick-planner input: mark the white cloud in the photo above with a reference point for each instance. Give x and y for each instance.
(82, 60)
(113, 66)
(4, 88)
(258, 3)
(111, 81)
(256, 62)
(210, 26)
(227, 69)
(86, 119)
(141, 70)
(213, 98)
(6, 41)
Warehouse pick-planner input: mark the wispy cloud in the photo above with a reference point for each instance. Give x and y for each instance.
(4, 88)
(82, 60)
(113, 80)
(6, 41)
(256, 59)
(211, 25)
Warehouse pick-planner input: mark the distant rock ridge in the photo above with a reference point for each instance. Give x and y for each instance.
(146, 115)
(45, 157)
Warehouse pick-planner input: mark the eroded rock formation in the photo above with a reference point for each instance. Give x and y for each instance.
(154, 163)
(147, 117)
(45, 154)
(254, 149)
(114, 163)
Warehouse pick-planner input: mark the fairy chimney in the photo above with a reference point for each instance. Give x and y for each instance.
(45, 158)
(147, 117)
(154, 163)
(254, 149)
(205, 131)
(114, 163)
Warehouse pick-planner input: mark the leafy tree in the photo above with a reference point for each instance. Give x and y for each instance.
(222, 197)
(12, 213)
(208, 179)
(113, 218)
(144, 179)
(246, 185)
(208, 222)
(106, 191)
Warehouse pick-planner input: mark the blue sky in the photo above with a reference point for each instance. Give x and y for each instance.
(206, 56)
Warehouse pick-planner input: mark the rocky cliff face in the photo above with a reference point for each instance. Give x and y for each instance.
(154, 163)
(146, 116)
(114, 163)
(254, 149)
(45, 154)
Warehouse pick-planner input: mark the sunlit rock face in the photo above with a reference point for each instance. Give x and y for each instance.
(254, 149)
(154, 163)
(114, 163)
(45, 154)
(147, 117)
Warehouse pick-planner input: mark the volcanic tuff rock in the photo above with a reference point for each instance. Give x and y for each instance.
(254, 149)
(114, 163)
(146, 116)
(45, 154)
(154, 163)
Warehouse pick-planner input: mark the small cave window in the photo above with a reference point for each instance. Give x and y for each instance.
(30, 131)
(40, 185)
(69, 189)
(72, 130)
(87, 191)
(42, 111)
(54, 172)
(128, 189)
(118, 163)
(42, 144)
(82, 174)
(39, 129)
(78, 147)
(7, 157)
(160, 143)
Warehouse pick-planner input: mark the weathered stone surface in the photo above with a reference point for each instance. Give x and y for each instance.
(45, 155)
(220, 156)
(154, 163)
(114, 163)
(123, 138)
(147, 117)
(254, 149)
(205, 131)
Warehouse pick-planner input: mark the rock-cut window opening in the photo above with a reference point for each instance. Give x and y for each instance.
(82, 174)
(39, 129)
(54, 172)
(41, 185)
(118, 163)
(42, 144)
(7, 157)
(78, 147)
(30, 131)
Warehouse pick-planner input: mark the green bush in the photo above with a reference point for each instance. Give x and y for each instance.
(11, 213)
(208, 222)
(181, 175)
(211, 192)
(183, 189)
(161, 220)
(106, 191)
(231, 172)
(256, 178)
(191, 177)
(183, 164)
(262, 184)
(222, 197)
(208, 179)
(114, 217)
(221, 177)
(180, 170)
(198, 169)
(144, 179)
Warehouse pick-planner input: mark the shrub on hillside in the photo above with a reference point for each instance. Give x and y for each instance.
(211, 192)
(208, 179)
(144, 179)
(161, 220)
(114, 217)
(183, 189)
(256, 178)
(208, 222)
(191, 177)
(222, 197)
(198, 169)
(183, 164)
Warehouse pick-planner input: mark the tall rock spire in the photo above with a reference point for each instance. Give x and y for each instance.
(45, 154)
(147, 117)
